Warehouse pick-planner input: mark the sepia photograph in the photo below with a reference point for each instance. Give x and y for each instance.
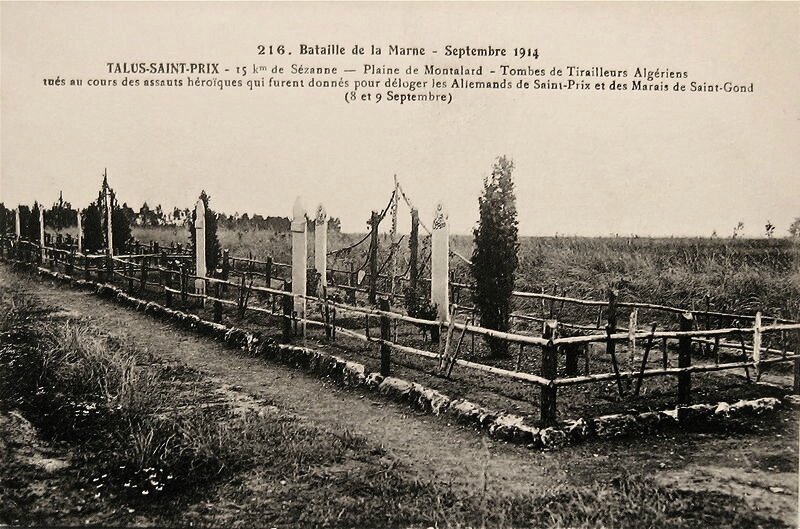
(399, 264)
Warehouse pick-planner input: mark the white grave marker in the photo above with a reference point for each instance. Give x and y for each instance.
(41, 232)
(200, 247)
(440, 263)
(80, 233)
(299, 256)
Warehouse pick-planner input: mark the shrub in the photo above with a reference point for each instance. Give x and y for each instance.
(92, 229)
(6, 220)
(30, 230)
(494, 258)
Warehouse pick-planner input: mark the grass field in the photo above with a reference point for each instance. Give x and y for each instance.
(742, 275)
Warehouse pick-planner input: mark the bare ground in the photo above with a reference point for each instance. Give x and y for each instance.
(756, 463)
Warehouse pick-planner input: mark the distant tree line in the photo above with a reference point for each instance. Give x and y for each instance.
(62, 216)
(29, 221)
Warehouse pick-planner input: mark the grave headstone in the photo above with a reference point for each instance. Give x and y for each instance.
(440, 263)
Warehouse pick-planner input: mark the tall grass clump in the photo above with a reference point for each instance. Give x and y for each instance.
(115, 403)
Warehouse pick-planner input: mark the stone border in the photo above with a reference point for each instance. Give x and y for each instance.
(499, 425)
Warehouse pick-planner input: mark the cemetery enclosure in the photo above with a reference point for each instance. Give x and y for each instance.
(632, 352)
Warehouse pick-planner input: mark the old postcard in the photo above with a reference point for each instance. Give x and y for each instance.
(403, 264)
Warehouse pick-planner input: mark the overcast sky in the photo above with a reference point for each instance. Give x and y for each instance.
(587, 164)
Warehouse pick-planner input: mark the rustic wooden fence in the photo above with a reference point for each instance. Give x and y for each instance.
(171, 277)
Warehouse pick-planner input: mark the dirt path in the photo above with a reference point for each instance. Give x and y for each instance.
(757, 464)
(429, 444)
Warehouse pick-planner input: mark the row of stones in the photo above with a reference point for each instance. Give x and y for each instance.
(500, 425)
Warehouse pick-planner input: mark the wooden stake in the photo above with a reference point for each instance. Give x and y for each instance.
(143, 274)
(351, 294)
(444, 354)
(757, 344)
(413, 249)
(288, 305)
(383, 304)
(549, 370)
(454, 356)
(587, 348)
(611, 328)
(644, 359)
(685, 359)
(184, 280)
(796, 385)
(327, 312)
(373, 257)
(744, 353)
(217, 304)
(129, 273)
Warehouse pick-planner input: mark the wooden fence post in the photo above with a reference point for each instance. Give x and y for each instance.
(685, 359)
(796, 386)
(413, 249)
(549, 369)
(288, 306)
(143, 274)
(71, 265)
(571, 352)
(333, 323)
(326, 308)
(757, 344)
(374, 221)
(226, 264)
(611, 328)
(167, 285)
(383, 304)
(217, 303)
(268, 272)
(129, 273)
(109, 269)
(351, 294)
(184, 280)
(633, 324)
(53, 257)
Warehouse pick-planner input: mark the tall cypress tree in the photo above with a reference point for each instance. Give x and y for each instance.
(24, 215)
(5, 219)
(494, 258)
(92, 229)
(31, 229)
(120, 226)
